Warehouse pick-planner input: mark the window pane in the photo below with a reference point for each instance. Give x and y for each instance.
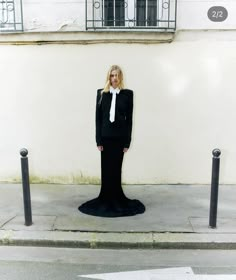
(109, 12)
(141, 12)
(116, 15)
(120, 13)
(152, 13)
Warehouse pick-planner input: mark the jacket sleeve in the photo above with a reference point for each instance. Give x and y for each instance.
(98, 119)
(129, 119)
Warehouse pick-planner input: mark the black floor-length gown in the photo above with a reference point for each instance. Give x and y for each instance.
(112, 201)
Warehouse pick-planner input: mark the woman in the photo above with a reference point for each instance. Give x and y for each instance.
(114, 109)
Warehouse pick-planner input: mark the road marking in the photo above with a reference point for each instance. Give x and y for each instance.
(182, 273)
(142, 274)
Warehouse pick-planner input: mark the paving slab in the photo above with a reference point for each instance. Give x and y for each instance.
(224, 225)
(4, 219)
(39, 223)
(139, 223)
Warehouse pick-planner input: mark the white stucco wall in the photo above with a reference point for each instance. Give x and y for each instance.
(184, 106)
(192, 14)
(61, 15)
(54, 15)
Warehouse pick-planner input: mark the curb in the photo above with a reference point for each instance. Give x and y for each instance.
(117, 240)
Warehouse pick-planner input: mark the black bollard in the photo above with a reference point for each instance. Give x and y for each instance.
(214, 187)
(26, 187)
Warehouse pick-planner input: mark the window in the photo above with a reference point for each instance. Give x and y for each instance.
(131, 14)
(11, 16)
(114, 12)
(146, 12)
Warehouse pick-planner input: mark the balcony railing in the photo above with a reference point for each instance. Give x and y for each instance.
(131, 14)
(11, 16)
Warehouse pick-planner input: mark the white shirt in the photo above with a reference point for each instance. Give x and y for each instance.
(114, 92)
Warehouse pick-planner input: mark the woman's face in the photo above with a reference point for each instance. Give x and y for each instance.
(114, 79)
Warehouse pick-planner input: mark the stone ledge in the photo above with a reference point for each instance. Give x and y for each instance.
(86, 37)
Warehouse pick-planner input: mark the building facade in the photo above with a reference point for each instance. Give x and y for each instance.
(178, 57)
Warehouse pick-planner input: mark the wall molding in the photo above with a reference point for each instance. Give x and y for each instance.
(86, 37)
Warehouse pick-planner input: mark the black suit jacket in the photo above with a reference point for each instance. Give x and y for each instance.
(122, 126)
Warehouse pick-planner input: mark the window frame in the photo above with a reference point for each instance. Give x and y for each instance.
(11, 20)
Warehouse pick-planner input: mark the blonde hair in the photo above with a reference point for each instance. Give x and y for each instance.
(108, 81)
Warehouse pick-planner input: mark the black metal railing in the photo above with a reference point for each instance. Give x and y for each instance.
(11, 16)
(131, 14)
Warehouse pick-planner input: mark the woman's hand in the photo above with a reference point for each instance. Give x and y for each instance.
(125, 150)
(100, 148)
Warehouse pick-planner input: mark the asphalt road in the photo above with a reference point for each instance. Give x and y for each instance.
(36, 263)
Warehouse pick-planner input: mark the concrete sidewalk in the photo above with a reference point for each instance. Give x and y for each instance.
(176, 217)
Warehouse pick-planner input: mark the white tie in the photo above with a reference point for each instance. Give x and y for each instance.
(113, 103)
